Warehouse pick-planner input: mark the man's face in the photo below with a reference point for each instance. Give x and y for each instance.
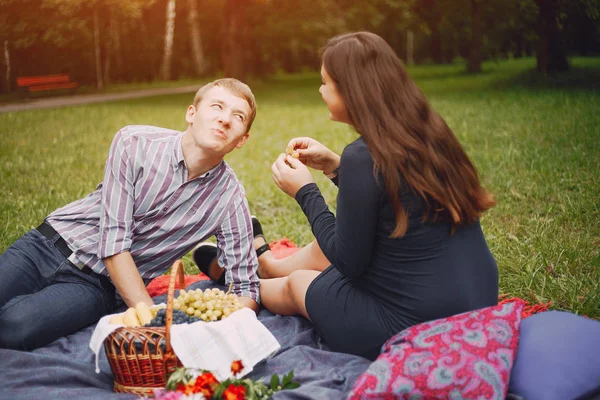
(218, 123)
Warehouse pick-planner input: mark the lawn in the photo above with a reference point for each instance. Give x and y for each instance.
(535, 142)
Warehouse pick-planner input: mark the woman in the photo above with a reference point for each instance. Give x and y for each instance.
(406, 245)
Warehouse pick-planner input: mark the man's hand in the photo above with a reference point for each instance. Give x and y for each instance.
(290, 174)
(127, 280)
(251, 304)
(314, 155)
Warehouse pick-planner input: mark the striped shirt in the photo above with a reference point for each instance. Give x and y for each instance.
(147, 206)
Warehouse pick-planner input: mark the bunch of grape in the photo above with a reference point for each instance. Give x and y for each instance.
(210, 305)
(179, 317)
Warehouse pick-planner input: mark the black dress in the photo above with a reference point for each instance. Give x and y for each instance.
(376, 285)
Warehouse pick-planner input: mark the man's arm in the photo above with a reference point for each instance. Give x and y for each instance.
(237, 255)
(127, 280)
(116, 222)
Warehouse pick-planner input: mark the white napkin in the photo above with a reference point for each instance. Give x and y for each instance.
(213, 346)
(102, 330)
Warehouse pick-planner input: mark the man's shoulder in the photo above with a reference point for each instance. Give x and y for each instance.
(229, 173)
(147, 132)
(234, 182)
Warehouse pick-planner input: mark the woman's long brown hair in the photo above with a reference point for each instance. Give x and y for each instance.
(403, 133)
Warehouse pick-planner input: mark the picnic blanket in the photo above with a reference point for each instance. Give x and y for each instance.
(64, 369)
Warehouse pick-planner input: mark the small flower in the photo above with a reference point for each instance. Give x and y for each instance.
(206, 384)
(237, 367)
(234, 392)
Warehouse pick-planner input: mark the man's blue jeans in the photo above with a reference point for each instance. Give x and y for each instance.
(43, 296)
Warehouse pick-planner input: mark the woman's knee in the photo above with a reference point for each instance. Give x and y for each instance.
(296, 287)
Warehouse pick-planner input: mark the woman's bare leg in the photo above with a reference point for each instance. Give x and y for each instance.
(310, 257)
(286, 296)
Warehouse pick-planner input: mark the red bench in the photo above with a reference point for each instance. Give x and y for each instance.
(46, 82)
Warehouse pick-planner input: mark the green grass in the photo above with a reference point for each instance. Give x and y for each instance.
(535, 141)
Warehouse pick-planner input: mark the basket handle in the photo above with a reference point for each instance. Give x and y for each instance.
(176, 270)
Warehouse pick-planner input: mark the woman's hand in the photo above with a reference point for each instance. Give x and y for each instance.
(314, 154)
(290, 174)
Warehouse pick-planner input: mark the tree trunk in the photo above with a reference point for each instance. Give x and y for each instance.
(108, 50)
(232, 43)
(550, 55)
(99, 82)
(474, 62)
(196, 39)
(436, 46)
(116, 56)
(410, 48)
(165, 69)
(6, 57)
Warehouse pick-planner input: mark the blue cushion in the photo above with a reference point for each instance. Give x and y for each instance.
(558, 357)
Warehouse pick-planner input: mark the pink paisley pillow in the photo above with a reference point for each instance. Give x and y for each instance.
(466, 356)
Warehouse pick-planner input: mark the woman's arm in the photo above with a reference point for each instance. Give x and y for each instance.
(348, 239)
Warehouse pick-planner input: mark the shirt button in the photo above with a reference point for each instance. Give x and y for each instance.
(166, 209)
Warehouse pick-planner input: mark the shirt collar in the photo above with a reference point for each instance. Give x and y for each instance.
(178, 153)
(179, 160)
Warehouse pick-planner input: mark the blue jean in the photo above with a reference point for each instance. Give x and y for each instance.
(43, 296)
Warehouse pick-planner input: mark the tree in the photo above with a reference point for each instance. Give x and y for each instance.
(232, 45)
(551, 50)
(165, 68)
(475, 57)
(195, 38)
(550, 55)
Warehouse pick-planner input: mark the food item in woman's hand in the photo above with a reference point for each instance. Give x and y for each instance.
(292, 152)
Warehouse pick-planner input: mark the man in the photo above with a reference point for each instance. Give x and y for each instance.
(163, 192)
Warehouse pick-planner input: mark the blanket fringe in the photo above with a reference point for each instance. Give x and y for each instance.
(528, 309)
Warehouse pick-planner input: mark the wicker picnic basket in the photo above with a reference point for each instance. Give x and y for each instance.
(141, 358)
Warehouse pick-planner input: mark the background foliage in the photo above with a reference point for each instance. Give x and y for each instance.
(103, 41)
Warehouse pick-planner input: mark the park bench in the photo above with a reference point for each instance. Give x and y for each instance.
(46, 82)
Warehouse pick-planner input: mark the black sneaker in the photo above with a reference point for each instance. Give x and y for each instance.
(203, 255)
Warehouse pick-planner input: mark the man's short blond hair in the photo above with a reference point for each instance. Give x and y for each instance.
(235, 87)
